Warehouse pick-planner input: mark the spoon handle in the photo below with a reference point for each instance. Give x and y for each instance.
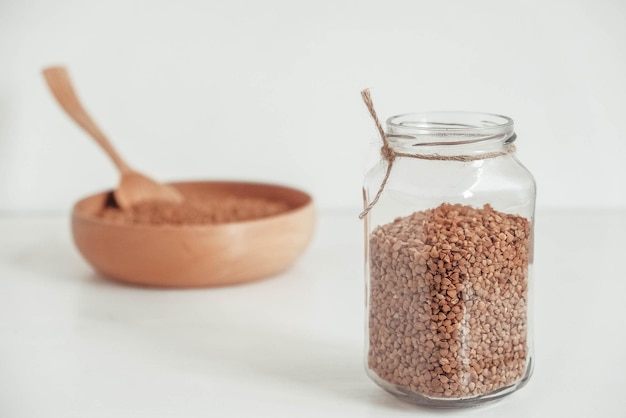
(60, 84)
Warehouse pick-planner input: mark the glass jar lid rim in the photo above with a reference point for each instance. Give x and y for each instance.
(449, 123)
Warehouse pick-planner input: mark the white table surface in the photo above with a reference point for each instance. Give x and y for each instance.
(73, 344)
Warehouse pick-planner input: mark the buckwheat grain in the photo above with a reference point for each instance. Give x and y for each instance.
(448, 301)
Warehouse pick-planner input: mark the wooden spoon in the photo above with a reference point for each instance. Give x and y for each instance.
(134, 187)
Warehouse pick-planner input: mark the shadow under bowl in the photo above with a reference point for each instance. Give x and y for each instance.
(197, 255)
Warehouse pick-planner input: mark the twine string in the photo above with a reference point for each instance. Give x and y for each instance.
(389, 155)
(386, 152)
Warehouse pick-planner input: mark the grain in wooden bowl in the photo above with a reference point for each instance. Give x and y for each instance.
(225, 233)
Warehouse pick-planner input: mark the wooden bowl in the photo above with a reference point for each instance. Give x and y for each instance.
(197, 255)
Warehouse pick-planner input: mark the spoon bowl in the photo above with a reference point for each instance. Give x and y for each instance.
(135, 188)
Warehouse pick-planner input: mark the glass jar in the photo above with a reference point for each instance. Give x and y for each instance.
(449, 250)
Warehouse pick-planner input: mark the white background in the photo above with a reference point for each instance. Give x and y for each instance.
(269, 90)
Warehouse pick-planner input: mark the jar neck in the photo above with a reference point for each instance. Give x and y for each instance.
(450, 134)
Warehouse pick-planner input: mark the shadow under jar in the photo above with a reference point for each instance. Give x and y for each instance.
(448, 260)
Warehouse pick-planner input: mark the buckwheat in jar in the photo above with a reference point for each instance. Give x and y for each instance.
(449, 240)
